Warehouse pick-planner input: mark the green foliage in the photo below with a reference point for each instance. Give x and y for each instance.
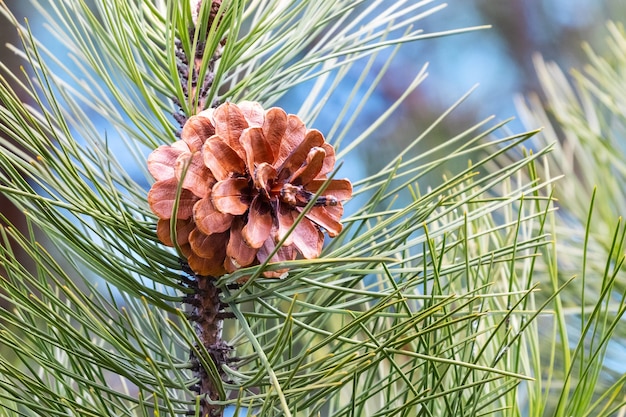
(585, 120)
(430, 302)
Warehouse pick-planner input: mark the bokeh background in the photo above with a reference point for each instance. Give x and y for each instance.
(497, 59)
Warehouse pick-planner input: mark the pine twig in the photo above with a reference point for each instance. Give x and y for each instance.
(207, 312)
(189, 69)
(206, 307)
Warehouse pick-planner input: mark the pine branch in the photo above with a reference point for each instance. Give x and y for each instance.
(417, 305)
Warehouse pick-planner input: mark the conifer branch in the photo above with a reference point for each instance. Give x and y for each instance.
(206, 312)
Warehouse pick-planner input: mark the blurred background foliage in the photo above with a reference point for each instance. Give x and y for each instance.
(500, 60)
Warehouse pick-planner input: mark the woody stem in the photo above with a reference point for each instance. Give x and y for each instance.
(207, 314)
